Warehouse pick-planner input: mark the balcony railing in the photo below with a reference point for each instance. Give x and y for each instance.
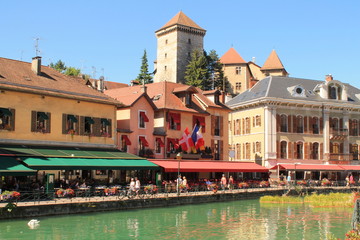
(340, 132)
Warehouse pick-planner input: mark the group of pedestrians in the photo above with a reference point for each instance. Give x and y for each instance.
(135, 185)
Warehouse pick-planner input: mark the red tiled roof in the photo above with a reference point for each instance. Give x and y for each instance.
(112, 85)
(18, 76)
(163, 97)
(231, 57)
(272, 62)
(181, 19)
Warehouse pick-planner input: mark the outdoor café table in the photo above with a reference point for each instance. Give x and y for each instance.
(99, 190)
(83, 192)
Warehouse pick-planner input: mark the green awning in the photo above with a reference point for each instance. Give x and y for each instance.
(89, 120)
(72, 118)
(105, 122)
(9, 166)
(6, 112)
(88, 164)
(43, 115)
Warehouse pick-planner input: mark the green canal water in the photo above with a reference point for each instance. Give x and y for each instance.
(246, 219)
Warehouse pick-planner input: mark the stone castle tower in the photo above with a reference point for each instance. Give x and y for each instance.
(176, 40)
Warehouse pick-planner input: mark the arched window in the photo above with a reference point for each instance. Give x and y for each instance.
(334, 124)
(354, 151)
(315, 151)
(299, 150)
(334, 91)
(316, 125)
(283, 123)
(300, 124)
(283, 150)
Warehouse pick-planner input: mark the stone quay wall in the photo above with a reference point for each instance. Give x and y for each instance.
(89, 205)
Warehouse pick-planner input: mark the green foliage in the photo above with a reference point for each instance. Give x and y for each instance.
(72, 71)
(196, 71)
(144, 75)
(58, 66)
(215, 72)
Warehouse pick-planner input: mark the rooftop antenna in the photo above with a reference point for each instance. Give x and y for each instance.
(94, 71)
(37, 50)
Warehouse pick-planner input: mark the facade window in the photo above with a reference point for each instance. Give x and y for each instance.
(166, 41)
(197, 120)
(159, 144)
(237, 127)
(238, 151)
(299, 150)
(334, 91)
(238, 86)
(334, 124)
(283, 150)
(283, 123)
(172, 145)
(258, 147)
(142, 143)
(71, 124)
(238, 70)
(257, 121)
(217, 150)
(300, 124)
(354, 151)
(165, 55)
(217, 126)
(334, 148)
(247, 150)
(315, 151)
(174, 121)
(142, 119)
(88, 126)
(40, 122)
(354, 124)
(247, 125)
(105, 127)
(6, 119)
(125, 142)
(316, 125)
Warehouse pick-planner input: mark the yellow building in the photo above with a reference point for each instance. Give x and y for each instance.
(243, 75)
(45, 115)
(283, 120)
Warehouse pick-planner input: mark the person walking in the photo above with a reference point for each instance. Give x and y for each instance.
(223, 182)
(231, 183)
(137, 186)
(185, 184)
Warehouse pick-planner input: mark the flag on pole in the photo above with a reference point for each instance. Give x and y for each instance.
(194, 137)
(184, 140)
(200, 143)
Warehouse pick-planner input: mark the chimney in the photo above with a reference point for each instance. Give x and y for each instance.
(101, 84)
(143, 88)
(328, 77)
(36, 65)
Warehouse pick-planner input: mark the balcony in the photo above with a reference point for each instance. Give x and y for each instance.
(338, 134)
(340, 158)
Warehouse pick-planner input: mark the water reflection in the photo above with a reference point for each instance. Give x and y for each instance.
(231, 220)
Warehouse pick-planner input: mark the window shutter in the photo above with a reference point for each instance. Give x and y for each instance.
(295, 150)
(311, 156)
(110, 128)
(221, 119)
(213, 148)
(221, 146)
(64, 120)
(213, 125)
(12, 120)
(321, 125)
(341, 148)
(82, 125)
(278, 119)
(321, 151)
(358, 127)
(351, 128)
(33, 121)
(341, 124)
(290, 150)
(305, 124)
(96, 127)
(294, 124)
(48, 123)
(306, 150)
(311, 125)
(278, 149)
(77, 125)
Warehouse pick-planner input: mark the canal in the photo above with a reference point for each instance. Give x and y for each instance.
(245, 219)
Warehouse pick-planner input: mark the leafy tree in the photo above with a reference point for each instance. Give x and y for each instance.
(196, 70)
(59, 66)
(215, 72)
(144, 75)
(72, 71)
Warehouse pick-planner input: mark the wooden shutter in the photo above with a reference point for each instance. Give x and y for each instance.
(321, 151)
(110, 128)
(277, 149)
(295, 153)
(321, 125)
(212, 125)
(294, 124)
(305, 124)
(12, 120)
(48, 123)
(33, 121)
(351, 128)
(77, 130)
(290, 150)
(82, 125)
(278, 119)
(221, 123)
(64, 120)
(221, 146)
(96, 127)
(213, 148)
(289, 127)
(311, 125)
(178, 124)
(311, 156)
(341, 148)
(306, 150)
(341, 123)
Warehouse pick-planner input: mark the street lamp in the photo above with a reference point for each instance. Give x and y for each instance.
(178, 157)
(297, 163)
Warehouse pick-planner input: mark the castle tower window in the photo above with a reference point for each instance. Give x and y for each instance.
(165, 55)
(238, 70)
(238, 86)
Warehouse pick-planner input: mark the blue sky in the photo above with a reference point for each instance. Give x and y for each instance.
(312, 38)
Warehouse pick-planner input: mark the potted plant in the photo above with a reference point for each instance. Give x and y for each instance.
(243, 185)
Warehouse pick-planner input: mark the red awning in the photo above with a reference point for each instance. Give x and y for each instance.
(159, 140)
(351, 167)
(144, 142)
(126, 139)
(175, 117)
(209, 166)
(143, 115)
(309, 167)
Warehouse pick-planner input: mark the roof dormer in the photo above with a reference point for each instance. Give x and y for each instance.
(297, 91)
(185, 94)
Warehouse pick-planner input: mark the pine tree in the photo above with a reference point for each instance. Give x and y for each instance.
(144, 75)
(216, 73)
(196, 70)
